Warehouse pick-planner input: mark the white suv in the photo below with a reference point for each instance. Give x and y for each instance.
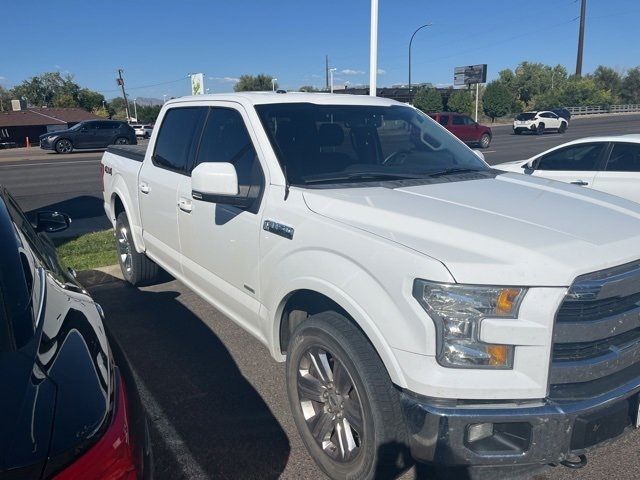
(539, 122)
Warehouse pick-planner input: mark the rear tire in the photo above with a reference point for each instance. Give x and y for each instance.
(517, 131)
(563, 127)
(347, 411)
(137, 268)
(540, 129)
(121, 141)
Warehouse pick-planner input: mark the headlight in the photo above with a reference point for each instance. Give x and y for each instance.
(457, 311)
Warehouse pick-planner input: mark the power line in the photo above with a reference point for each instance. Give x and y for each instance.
(144, 86)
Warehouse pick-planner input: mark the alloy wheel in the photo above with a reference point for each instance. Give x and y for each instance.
(124, 249)
(330, 404)
(64, 146)
(122, 141)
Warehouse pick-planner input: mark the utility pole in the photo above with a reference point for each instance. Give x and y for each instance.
(583, 12)
(373, 50)
(326, 70)
(120, 81)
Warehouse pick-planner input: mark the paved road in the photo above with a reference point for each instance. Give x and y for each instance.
(216, 399)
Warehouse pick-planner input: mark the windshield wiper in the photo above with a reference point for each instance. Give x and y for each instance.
(362, 176)
(451, 171)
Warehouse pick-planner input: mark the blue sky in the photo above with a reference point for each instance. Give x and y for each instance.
(160, 41)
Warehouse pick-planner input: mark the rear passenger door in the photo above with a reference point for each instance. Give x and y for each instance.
(459, 127)
(106, 133)
(158, 183)
(220, 243)
(621, 175)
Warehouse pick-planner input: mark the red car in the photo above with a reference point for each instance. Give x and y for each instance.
(463, 127)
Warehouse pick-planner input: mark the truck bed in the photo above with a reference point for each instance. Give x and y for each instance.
(132, 152)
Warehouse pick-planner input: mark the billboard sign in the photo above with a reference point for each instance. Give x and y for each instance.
(470, 74)
(197, 84)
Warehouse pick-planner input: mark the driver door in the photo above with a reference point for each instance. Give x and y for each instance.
(87, 137)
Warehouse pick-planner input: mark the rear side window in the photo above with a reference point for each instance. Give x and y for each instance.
(225, 139)
(177, 138)
(625, 157)
(444, 120)
(583, 157)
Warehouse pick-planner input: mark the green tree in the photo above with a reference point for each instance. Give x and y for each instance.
(64, 100)
(461, 101)
(251, 83)
(5, 99)
(630, 90)
(101, 112)
(89, 100)
(580, 91)
(607, 78)
(428, 100)
(497, 100)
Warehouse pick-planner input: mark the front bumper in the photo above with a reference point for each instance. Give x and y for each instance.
(545, 432)
(46, 144)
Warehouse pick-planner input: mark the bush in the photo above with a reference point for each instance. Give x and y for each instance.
(428, 100)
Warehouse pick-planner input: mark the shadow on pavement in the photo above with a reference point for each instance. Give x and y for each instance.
(190, 375)
(85, 206)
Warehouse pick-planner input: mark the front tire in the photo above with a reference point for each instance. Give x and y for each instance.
(63, 146)
(345, 407)
(137, 268)
(485, 140)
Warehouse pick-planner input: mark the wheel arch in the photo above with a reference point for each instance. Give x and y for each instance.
(315, 297)
(118, 205)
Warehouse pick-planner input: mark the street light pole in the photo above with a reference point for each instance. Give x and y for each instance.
(410, 43)
(135, 108)
(273, 84)
(331, 70)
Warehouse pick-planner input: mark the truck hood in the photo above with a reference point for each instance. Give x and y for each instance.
(510, 229)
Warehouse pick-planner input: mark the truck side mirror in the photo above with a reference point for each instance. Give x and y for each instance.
(217, 183)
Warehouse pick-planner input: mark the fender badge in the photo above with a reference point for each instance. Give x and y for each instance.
(278, 229)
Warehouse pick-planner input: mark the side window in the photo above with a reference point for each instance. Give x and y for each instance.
(625, 157)
(444, 120)
(177, 139)
(575, 158)
(90, 125)
(458, 120)
(225, 139)
(468, 120)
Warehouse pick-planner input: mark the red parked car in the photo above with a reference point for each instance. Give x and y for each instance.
(463, 127)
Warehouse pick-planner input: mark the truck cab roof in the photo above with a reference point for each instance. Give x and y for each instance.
(261, 98)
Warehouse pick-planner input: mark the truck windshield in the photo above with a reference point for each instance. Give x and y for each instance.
(360, 143)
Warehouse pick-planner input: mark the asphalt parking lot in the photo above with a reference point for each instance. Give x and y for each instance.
(216, 399)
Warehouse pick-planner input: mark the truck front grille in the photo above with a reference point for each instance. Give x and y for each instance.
(597, 329)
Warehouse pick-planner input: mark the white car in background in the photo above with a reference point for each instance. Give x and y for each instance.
(539, 122)
(143, 131)
(610, 164)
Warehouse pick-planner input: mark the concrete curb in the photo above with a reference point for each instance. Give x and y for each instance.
(100, 276)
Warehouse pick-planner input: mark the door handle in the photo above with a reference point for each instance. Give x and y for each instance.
(144, 187)
(185, 205)
(582, 183)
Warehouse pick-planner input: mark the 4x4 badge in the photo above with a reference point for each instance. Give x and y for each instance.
(278, 228)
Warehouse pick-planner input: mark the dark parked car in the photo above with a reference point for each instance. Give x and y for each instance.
(89, 134)
(562, 112)
(465, 128)
(69, 407)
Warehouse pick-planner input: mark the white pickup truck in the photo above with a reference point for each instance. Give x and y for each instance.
(424, 302)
